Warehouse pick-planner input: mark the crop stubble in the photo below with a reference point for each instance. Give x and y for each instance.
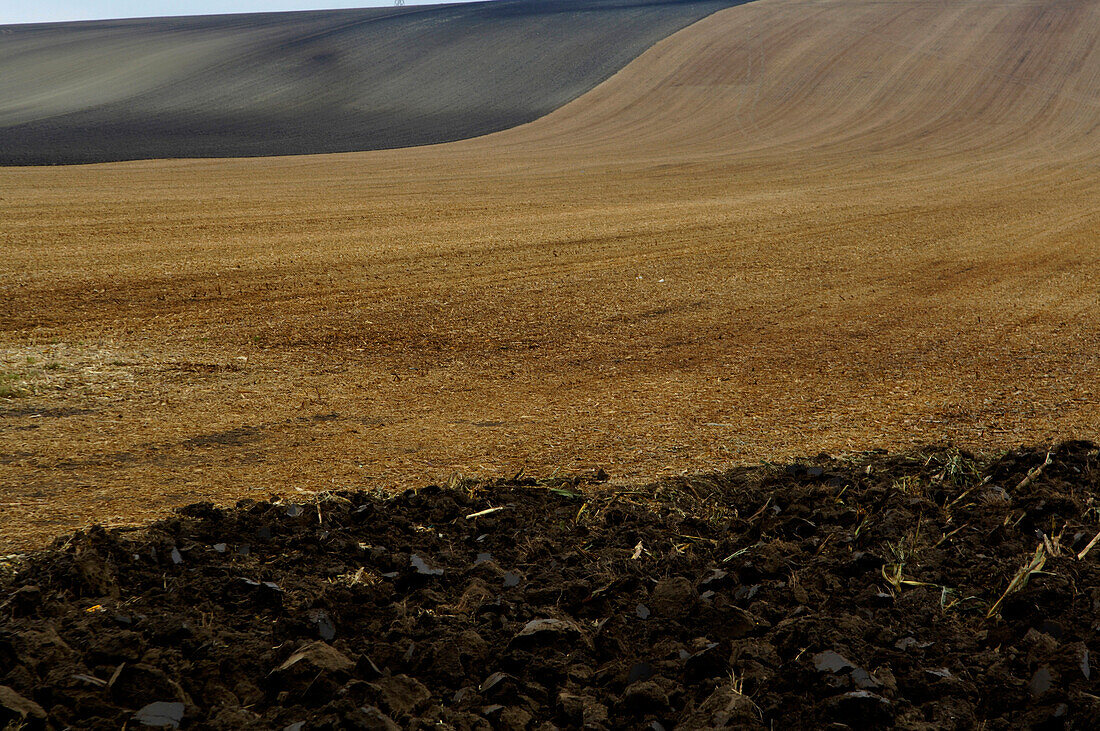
(791, 227)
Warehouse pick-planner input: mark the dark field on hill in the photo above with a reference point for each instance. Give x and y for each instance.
(929, 590)
(310, 82)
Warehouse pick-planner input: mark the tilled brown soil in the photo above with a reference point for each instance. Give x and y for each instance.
(878, 591)
(791, 227)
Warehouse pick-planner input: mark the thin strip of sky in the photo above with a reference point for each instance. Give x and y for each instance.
(52, 11)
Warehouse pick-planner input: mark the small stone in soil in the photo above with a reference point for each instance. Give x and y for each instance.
(422, 568)
(906, 643)
(864, 680)
(161, 715)
(1041, 682)
(510, 580)
(716, 576)
(831, 662)
(745, 593)
(322, 622)
(642, 611)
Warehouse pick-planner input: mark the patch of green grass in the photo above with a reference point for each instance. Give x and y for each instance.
(955, 467)
(9, 385)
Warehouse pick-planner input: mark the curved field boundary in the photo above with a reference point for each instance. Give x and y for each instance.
(310, 82)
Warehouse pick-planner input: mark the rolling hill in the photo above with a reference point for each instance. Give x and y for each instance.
(310, 82)
(793, 226)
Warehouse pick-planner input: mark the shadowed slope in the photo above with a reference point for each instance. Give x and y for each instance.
(290, 83)
(794, 226)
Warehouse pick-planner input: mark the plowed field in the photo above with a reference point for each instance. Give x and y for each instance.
(914, 592)
(791, 227)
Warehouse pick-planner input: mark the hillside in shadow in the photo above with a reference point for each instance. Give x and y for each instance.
(310, 82)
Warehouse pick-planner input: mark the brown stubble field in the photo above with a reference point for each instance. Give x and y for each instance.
(790, 228)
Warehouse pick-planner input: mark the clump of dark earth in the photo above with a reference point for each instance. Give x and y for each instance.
(932, 590)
